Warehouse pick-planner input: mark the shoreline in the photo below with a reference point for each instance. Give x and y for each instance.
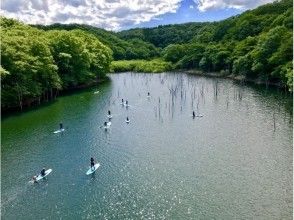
(238, 78)
(35, 104)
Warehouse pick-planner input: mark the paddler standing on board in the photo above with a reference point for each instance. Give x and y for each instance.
(43, 172)
(92, 163)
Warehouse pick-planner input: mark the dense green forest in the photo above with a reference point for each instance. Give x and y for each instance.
(35, 64)
(38, 61)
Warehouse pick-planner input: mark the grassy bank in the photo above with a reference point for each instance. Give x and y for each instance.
(150, 66)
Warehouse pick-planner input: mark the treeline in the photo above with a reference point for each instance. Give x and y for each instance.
(165, 35)
(123, 49)
(35, 64)
(145, 66)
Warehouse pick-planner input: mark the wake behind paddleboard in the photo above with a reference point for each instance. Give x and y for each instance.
(93, 169)
(58, 131)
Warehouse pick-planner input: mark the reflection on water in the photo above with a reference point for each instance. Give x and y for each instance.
(233, 160)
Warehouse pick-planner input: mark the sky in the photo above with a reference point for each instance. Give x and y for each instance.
(124, 14)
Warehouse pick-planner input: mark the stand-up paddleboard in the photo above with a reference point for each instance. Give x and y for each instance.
(58, 131)
(39, 177)
(107, 125)
(127, 121)
(96, 92)
(198, 116)
(93, 169)
(109, 116)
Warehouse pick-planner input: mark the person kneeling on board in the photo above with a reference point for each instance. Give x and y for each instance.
(92, 163)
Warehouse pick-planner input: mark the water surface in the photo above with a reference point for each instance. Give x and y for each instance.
(235, 162)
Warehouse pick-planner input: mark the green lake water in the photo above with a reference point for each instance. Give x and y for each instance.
(235, 162)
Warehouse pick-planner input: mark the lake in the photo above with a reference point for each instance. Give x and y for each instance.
(232, 161)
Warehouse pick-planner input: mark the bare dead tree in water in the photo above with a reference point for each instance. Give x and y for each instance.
(202, 91)
(240, 94)
(274, 118)
(159, 108)
(215, 89)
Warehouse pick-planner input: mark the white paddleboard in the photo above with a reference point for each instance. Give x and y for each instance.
(109, 116)
(108, 125)
(47, 172)
(92, 170)
(96, 92)
(58, 131)
(198, 116)
(127, 121)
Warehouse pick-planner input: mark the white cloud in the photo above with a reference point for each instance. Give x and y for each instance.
(109, 14)
(205, 5)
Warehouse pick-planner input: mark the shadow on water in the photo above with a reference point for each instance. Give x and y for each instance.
(45, 104)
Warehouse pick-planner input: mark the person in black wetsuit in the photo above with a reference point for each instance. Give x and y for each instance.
(193, 114)
(122, 101)
(92, 163)
(127, 103)
(148, 94)
(109, 113)
(60, 126)
(43, 172)
(105, 124)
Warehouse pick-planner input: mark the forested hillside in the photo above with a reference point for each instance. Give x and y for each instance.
(35, 64)
(163, 36)
(255, 45)
(38, 61)
(133, 48)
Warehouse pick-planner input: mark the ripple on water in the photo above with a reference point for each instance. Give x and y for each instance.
(162, 165)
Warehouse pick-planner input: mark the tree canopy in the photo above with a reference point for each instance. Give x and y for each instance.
(36, 64)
